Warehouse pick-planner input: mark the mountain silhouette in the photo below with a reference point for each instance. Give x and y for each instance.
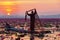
(40, 16)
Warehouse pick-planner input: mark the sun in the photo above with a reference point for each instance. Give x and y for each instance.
(8, 14)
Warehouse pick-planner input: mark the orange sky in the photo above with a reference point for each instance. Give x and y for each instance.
(18, 7)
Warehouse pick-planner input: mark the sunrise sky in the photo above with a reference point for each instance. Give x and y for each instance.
(18, 7)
